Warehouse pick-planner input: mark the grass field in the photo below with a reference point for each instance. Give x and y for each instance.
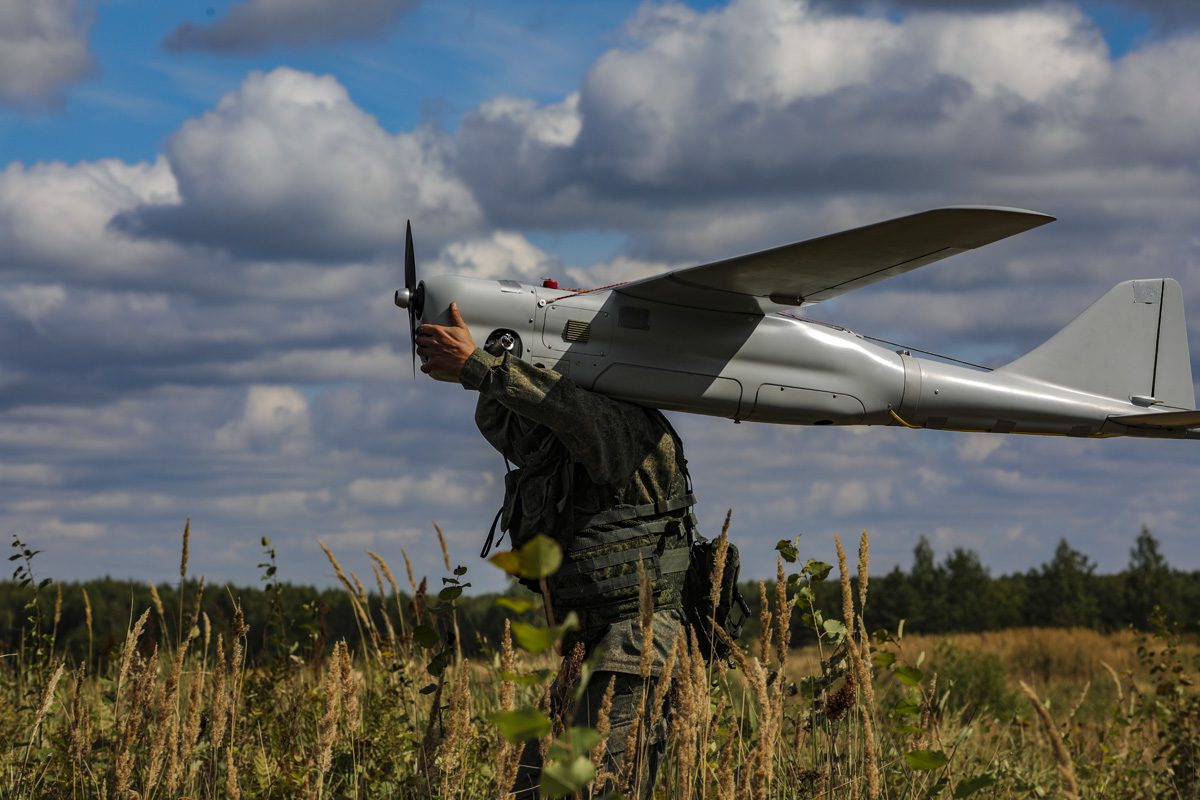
(401, 713)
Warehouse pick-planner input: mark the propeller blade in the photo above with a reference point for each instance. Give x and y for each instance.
(410, 283)
(410, 261)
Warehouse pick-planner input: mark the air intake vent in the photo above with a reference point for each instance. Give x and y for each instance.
(576, 331)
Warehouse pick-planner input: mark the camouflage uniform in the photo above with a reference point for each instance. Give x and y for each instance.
(606, 479)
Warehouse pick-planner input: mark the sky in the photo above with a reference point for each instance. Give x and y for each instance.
(202, 207)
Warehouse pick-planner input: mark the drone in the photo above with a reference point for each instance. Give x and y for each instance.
(726, 339)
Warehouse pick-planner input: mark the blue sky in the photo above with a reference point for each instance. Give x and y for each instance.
(198, 242)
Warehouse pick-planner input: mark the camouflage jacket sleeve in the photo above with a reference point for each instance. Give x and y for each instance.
(609, 437)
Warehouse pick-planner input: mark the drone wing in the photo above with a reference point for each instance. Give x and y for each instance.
(818, 269)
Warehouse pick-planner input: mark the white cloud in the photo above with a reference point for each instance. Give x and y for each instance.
(256, 25)
(43, 49)
(274, 417)
(502, 254)
(439, 488)
(288, 167)
(273, 505)
(29, 474)
(56, 529)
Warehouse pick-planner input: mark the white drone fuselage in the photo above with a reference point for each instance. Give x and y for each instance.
(1121, 368)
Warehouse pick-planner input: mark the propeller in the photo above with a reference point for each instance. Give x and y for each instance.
(412, 296)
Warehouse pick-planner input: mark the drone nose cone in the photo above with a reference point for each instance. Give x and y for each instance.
(403, 297)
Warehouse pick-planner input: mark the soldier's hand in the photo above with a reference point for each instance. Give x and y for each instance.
(445, 348)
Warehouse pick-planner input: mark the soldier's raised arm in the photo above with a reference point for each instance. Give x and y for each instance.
(609, 437)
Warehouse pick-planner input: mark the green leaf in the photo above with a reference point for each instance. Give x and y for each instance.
(581, 740)
(517, 605)
(540, 556)
(426, 636)
(537, 558)
(926, 759)
(562, 779)
(883, 659)
(972, 785)
(788, 550)
(539, 640)
(522, 724)
(834, 627)
(439, 663)
(817, 570)
(908, 708)
(450, 593)
(909, 676)
(460, 571)
(428, 688)
(507, 560)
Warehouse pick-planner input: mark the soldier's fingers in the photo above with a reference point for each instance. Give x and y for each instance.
(456, 320)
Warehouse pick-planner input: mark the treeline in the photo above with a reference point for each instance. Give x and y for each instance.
(952, 595)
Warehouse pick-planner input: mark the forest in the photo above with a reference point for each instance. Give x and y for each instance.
(956, 594)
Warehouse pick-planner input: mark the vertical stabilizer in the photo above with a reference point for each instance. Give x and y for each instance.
(1131, 343)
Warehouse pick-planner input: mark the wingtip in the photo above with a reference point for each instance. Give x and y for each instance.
(1024, 212)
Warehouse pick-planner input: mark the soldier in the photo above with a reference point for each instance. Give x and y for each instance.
(608, 481)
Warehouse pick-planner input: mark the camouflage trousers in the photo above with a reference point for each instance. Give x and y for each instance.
(651, 745)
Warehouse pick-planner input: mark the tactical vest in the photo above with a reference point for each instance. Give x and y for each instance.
(602, 541)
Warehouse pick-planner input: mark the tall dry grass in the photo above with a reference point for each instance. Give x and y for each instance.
(400, 712)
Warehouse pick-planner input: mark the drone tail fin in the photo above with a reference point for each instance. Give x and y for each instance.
(1129, 345)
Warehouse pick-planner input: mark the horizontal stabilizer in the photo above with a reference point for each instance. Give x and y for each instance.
(1165, 420)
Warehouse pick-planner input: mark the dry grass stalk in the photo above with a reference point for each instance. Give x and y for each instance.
(408, 569)
(166, 743)
(598, 754)
(220, 698)
(183, 557)
(352, 684)
(1115, 679)
(131, 639)
(783, 610)
(237, 667)
(1061, 756)
(158, 603)
(387, 622)
(143, 677)
(327, 727)
(645, 620)
(233, 789)
(455, 748)
(864, 639)
(79, 739)
(43, 707)
(725, 777)
(861, 673)
(764, 620)
(686, 723)
(719, 562)
(190, 733)
(445, 550)
(337, 569)
(508, 755)
(87, 618)
(391, 579)
(658, 703)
